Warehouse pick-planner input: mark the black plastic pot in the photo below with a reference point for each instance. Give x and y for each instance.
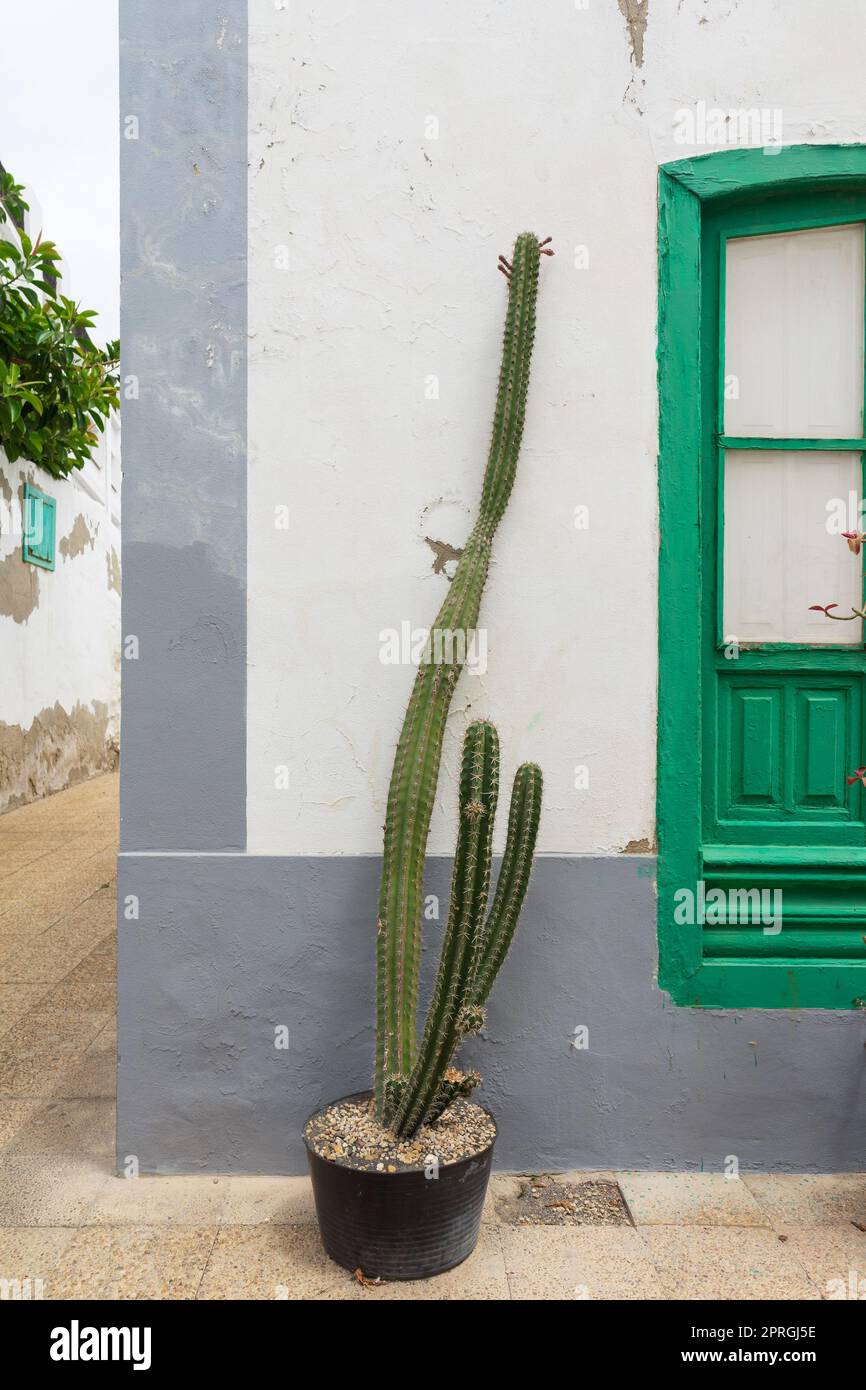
(400, 1225)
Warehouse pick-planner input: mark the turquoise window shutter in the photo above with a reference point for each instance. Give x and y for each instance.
(39, 528)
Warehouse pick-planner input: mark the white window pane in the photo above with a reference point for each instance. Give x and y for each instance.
(783, 547)
(794, 334)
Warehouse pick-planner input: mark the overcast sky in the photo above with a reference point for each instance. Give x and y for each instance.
(59, 135)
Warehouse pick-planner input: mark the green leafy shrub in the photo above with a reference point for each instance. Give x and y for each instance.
(56, 387)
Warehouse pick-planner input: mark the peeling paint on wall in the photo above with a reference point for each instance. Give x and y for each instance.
(112, 561)
(444, 554)
(59, 636)
(78, 539)
(635, 13)
(641, 846)
(19, 587)
(57, 750)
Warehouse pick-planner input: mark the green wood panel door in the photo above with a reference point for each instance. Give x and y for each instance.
(756, 814)
(784, 746)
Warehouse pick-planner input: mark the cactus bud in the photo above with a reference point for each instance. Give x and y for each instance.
(470, 1019)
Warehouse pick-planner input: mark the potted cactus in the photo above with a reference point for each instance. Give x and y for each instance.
(400, 1174)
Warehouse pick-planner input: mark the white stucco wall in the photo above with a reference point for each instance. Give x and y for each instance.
(373, 246)
(60, 630)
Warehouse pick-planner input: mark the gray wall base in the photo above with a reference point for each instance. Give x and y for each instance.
(228, 948)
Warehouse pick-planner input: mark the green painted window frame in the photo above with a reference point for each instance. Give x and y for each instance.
(755, 185)
(38, 552)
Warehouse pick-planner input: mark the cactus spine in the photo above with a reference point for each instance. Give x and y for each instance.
(474, 947)
(416, 763)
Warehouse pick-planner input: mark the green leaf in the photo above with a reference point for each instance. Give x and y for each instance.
(57, 388)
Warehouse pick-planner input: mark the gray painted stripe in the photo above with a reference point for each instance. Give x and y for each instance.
(183, 328)
(225, 950)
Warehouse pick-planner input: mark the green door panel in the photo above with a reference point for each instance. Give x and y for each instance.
(755, 817)
(751, 745)
(785, 743)
(826, 744)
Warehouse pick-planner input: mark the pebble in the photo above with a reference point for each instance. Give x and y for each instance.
(349, 1134)
(546, 1200)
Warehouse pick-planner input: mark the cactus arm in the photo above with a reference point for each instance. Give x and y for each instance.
(479, 786)
(513, 386)
(454, 1083)
(466, 976)
(416, 765)
(410, 804)
(513, 881)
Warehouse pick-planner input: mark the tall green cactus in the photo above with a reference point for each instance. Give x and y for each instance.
(416, 763)
(474, 946)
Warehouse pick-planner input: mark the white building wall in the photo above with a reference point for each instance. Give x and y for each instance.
(395, 151)
(60, 630)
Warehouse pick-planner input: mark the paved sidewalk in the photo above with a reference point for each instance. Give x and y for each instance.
(66, 1220)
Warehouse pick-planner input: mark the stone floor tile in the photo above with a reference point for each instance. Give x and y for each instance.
(105, 1042)
(689, 1199)
(90, 923)
(578, 1263)
(834, 1258)
(157, 1201)
(31, 1078)
(260, 1200)
(90, 1077)
(502, 1187)
(13, 1115)
(72, 1129)
(43, 1190)
(42, 960)
(810, 1199)
(44, 1032)
(65, 881)
(16, 937)
(33, 1253)
(83, 996)
(19, 925)
(269, 1262)
(99, 964)
(132, 1262)
(715, 1262)
(22, 849)
(15, 1002)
